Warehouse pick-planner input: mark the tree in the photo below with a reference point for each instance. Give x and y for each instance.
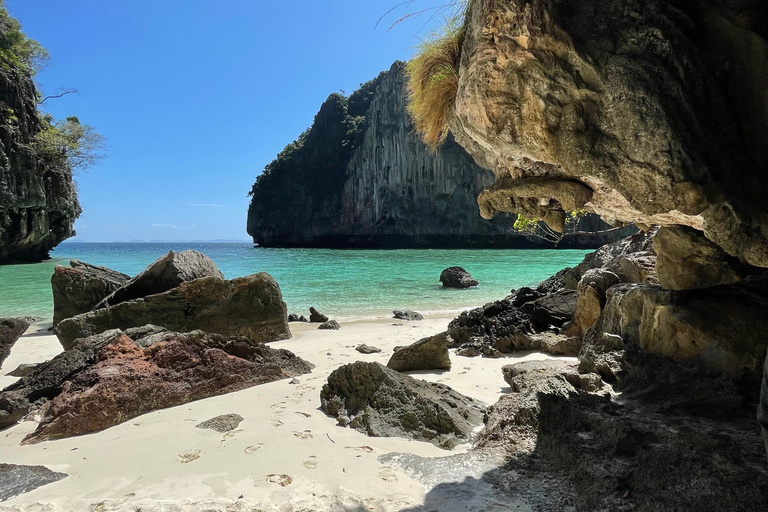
(536, 228)
(69, 143)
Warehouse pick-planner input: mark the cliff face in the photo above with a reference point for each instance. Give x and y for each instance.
(361, 178)
(38, 200)
(646, 111)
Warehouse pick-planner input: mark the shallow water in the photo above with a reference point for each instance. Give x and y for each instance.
(345, 284)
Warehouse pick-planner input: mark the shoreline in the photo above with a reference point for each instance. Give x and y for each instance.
(137, 464)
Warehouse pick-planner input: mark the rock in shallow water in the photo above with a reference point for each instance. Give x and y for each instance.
(382, 402)
(457, 277)
(317, 317)
(16, 479)
(407, 314)
(250, 306)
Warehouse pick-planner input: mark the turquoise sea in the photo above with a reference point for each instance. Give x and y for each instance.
(345, 284)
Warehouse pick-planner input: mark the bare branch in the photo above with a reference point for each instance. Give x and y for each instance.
(63, 93)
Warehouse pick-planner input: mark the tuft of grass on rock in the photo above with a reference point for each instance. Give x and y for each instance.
(433, 81)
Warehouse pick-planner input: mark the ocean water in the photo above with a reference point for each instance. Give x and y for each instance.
(344, 284)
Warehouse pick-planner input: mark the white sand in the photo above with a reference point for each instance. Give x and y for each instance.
(137, 465)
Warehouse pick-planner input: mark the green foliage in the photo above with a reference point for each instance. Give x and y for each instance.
(17, 51)
(69, 143)
(532, 226)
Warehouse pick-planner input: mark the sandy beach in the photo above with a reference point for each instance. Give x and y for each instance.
(160, 461)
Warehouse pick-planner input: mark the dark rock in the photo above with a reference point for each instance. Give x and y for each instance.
(382, 402)
(177, 369)
(11, 330)
(222, 424)
(46, 381)
(457, 277)
(553, 309)
(250, 306)
(331, 325)
(80, 287)
(762, 413)
(367, 349)
(316, 317)
(16, 479)
(407, 314)
(302, 318)
(164, 274)
(469, 351)
(426, 354)
(293, 317)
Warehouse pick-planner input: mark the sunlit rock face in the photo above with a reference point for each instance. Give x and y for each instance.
(645, 111)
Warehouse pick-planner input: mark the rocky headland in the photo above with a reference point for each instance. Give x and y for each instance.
(361, 177)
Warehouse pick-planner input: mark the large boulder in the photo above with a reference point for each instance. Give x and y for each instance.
(11, 330)
(250, 306)
(379, 401)
(553, 309)
(407, 314)
(81, 286)
(721, 328)
(126, 380)
(590, 299)
(47, 379)
(317, 317)
(426, 354)
(687, 259)
(457, 277)
(164, 274)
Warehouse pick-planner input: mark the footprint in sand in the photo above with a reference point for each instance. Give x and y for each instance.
(189, 456)
(253, 448)
(311, 462)
(366, 449)
(307, 434)
(281, 480)
(277, 423)
(278, 408)
(303, 414)
(387, 474)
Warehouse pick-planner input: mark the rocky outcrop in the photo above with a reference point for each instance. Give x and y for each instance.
(80, 287)
(407, 314)
(360, 177)
(380, 402)
(126, 380)
(164, 274)
(426, 354)
(38, 199)
(11, 330)
(457, 277)
(317, 317)
(250, 306)
(650, 112)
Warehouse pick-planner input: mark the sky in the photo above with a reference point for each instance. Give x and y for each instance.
(195, 97)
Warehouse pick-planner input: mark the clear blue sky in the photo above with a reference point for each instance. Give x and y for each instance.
(195, 97)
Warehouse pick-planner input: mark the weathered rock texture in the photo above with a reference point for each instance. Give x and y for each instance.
(250, 306)
(16, 479)
(361, 178)
(164, 274)
(426, 354)
(381, 402)
(79, 287)
(11, 330)
(38, 199)
(127, 380)
(457, 277)
(647, 111)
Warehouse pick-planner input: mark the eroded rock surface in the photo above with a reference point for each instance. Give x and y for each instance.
(81, 286)
(650, 112)
(164, 274)
(124, 380)
(457, 277)
(426, 354)
(379, 401)
(17, 479)
(222, 424)
(407, 314)
(11, 330)
(250, 306)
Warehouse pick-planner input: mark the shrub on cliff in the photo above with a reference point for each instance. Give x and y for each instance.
(433, 82)
(16, 49)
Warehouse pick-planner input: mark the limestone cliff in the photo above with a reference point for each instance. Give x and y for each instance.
(646, 111)
(38, 200)
(360, 177)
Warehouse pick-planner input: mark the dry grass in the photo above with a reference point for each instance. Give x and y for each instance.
(433, 82)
